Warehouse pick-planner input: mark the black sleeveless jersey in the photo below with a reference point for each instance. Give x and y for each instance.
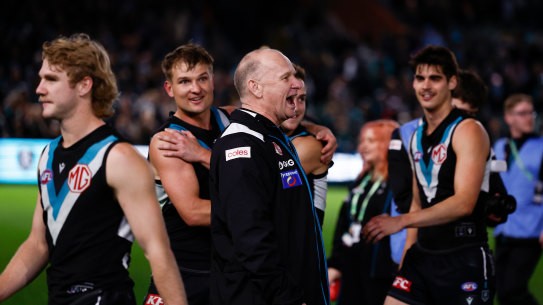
(434, 162)
(88, 236)
(191, 244)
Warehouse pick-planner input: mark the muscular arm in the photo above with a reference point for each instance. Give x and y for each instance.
(182, 145)
(309, 151)
(471, 145)
(131, 178)
(181, 185)
(323, 133)
(28, 261)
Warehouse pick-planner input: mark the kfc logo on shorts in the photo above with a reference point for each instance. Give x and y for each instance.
(46, 176)
(402, 284)
(79, 178)
(238, 152)
(154, 299)
(439, 154)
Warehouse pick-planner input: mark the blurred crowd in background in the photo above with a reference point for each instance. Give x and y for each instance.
(355, 52)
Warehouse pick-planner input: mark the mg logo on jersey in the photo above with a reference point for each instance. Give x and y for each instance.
(402, 284)
(439, 154)
(154, 299)
(79, 178)
(285, 164)
(46, 176)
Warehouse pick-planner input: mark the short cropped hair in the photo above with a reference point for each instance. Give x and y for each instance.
(438, 56)
(192, 54)
(471, 89)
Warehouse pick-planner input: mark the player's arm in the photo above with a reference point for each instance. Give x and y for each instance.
(31, 257)
(309, 151)
(324, 134)
(471, 145)
(183, 144)
(181, 184)
(131, 178)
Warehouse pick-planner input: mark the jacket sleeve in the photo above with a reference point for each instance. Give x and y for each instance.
(246, 187)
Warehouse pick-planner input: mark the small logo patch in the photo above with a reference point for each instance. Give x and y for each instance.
(402, 284)
(46, 176)
(291, 179)
(395, 145)
(79, 178)
(417, 156)
(154, 299)
(238, 152)
(469, 286)
(439, 154)
(285, 164)
(278, 149)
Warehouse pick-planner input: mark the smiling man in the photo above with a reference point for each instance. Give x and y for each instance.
(447, 259)
(267, 246)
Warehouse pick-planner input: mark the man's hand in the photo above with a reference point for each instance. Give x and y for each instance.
(380, 227)
(181, 144)
(325, 135)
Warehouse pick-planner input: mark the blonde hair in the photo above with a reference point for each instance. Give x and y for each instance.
(80, 57)
(383, 130)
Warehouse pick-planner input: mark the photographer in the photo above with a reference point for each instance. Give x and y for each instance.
(519, 239)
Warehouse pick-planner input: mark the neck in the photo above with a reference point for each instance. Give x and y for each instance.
(434, 117)
(200, 120)
(262, 111)
(516, 134)
(76, 128)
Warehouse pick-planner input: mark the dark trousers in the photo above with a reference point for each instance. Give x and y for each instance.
(516, 260)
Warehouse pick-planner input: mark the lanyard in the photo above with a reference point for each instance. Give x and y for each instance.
(359, 191)
(518, 160)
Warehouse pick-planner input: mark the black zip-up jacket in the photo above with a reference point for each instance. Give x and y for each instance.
(266, 240)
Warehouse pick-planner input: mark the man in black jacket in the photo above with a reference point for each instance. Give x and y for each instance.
(267, 246)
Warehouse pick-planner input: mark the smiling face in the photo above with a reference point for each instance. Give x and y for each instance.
(56, 95)
(370, 146)
(279, 85)
(192, 89)
(300, 104)
(432, 88)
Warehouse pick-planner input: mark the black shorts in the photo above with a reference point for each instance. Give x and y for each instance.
(196, 287)
(124, 296)
(464, 276)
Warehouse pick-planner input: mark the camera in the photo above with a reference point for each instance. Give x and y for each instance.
(498, 206)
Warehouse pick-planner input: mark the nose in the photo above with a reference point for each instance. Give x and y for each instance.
(195, 87)
(297, 83)
(40, 90)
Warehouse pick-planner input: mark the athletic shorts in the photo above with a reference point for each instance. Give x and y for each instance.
(464, 276)
(124, 296)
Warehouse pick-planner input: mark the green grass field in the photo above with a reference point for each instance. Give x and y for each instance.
(16, 207)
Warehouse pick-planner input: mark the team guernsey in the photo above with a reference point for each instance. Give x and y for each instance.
(267, 242)
(434, 162)
(318, 182)
(449, 264)
(88, 236)
(191, 244)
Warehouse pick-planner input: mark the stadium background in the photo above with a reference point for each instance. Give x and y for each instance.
(355, 53)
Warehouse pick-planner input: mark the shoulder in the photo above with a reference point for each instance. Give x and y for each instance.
(123, 161)
(309, 143)
(471, 128)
